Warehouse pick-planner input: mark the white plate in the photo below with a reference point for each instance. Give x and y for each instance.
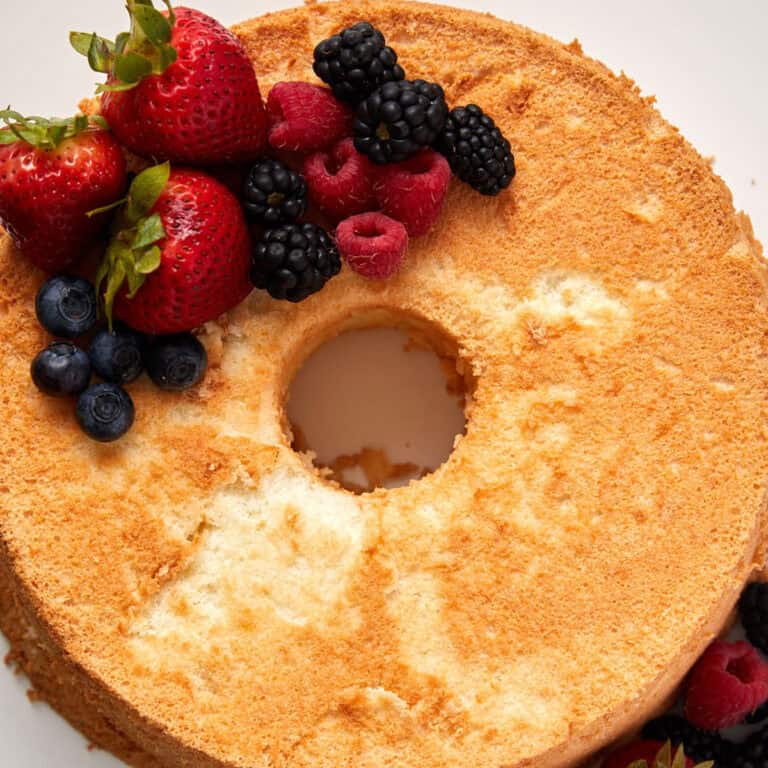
(705, 60)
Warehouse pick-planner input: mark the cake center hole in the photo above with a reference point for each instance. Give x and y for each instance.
(377, 407)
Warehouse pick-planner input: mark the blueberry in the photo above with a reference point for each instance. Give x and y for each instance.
(176, 362)
(66, 306)
(61, 369)
(118, 356)
(105, 412)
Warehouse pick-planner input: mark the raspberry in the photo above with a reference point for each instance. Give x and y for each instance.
(646, 751)
(753, 608)
(356, 61)
(413, 192)
(340, 181)
(305, 117)
(728, 682)
(700, 745)
(372, 244)
(399, 119)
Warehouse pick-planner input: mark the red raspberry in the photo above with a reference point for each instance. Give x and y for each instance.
(305, 117)
(637, 751)
(413, 191)
(728, 682)
(372, 244)
(340, 181)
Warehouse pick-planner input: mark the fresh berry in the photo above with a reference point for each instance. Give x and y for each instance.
(356, 61)
(117, 356)
(305, 117)
(728, 682)
(753, 609)
(477, 151)
(340, 180)
(752, 753)
(180, 87)
(649, 754)
(294, 261)
(105, 412)
(176, 362)
(180, 254)
(398, 119)
(372, 244)
(61, 369)
(50, 179)
(274, 194)
(66, 306)
(700, 745)
(413, 192)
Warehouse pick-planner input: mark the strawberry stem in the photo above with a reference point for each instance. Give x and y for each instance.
(143, 51)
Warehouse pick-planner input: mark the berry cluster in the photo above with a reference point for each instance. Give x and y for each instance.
(243, 194)
(728, 686)
(66, 307)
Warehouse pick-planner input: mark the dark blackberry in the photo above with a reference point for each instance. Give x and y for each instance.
(274, 194)
(356, 62)
(699, 745)
(760, 714)
(753, 608)
(753, 753)
(294, 261)
(399, 119)
(477, 151)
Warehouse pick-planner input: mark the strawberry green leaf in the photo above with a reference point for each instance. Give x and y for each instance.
(135, 281)
(148, 232)
(114, 281)
(145, 191)
(81, 41)
(115, 87)
(149, 261)
(120, 42)
(154, 25)
(638, 764)
(131, 67)
(100, 54)
(168, 56)
(7, 136)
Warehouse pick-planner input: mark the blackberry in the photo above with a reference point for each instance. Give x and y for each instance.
(294, 261)
(356, 62)
(477, 151)
(274, 194)
(752, 753)
(753, 608)
(760, 714)
(398, 119)
(699, 745)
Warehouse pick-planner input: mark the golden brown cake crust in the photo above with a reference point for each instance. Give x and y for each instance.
(196, 596)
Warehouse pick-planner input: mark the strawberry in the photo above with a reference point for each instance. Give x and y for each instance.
(180, 87)
(52, 173)
(179, 255)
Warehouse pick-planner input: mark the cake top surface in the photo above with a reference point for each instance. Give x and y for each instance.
(554, 578)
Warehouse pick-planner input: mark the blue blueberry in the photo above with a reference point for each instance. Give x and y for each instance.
(61, 369)
(176, 362)
(118, 356)
(66, 306)
(105, 412)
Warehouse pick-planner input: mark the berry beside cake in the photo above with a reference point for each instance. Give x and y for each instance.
(188, 589)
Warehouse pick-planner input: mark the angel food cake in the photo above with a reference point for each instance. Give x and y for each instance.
(196, 593)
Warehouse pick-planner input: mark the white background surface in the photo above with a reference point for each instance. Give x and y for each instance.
(706, 61)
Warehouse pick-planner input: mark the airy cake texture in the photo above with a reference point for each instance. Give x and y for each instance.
(196, 595)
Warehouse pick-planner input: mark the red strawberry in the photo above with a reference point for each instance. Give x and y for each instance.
(649, 754)
(729, 681)
(52, 172)
(305, 117)
(413, 191)
(180, 255)
(340, 181)
(180, 87)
